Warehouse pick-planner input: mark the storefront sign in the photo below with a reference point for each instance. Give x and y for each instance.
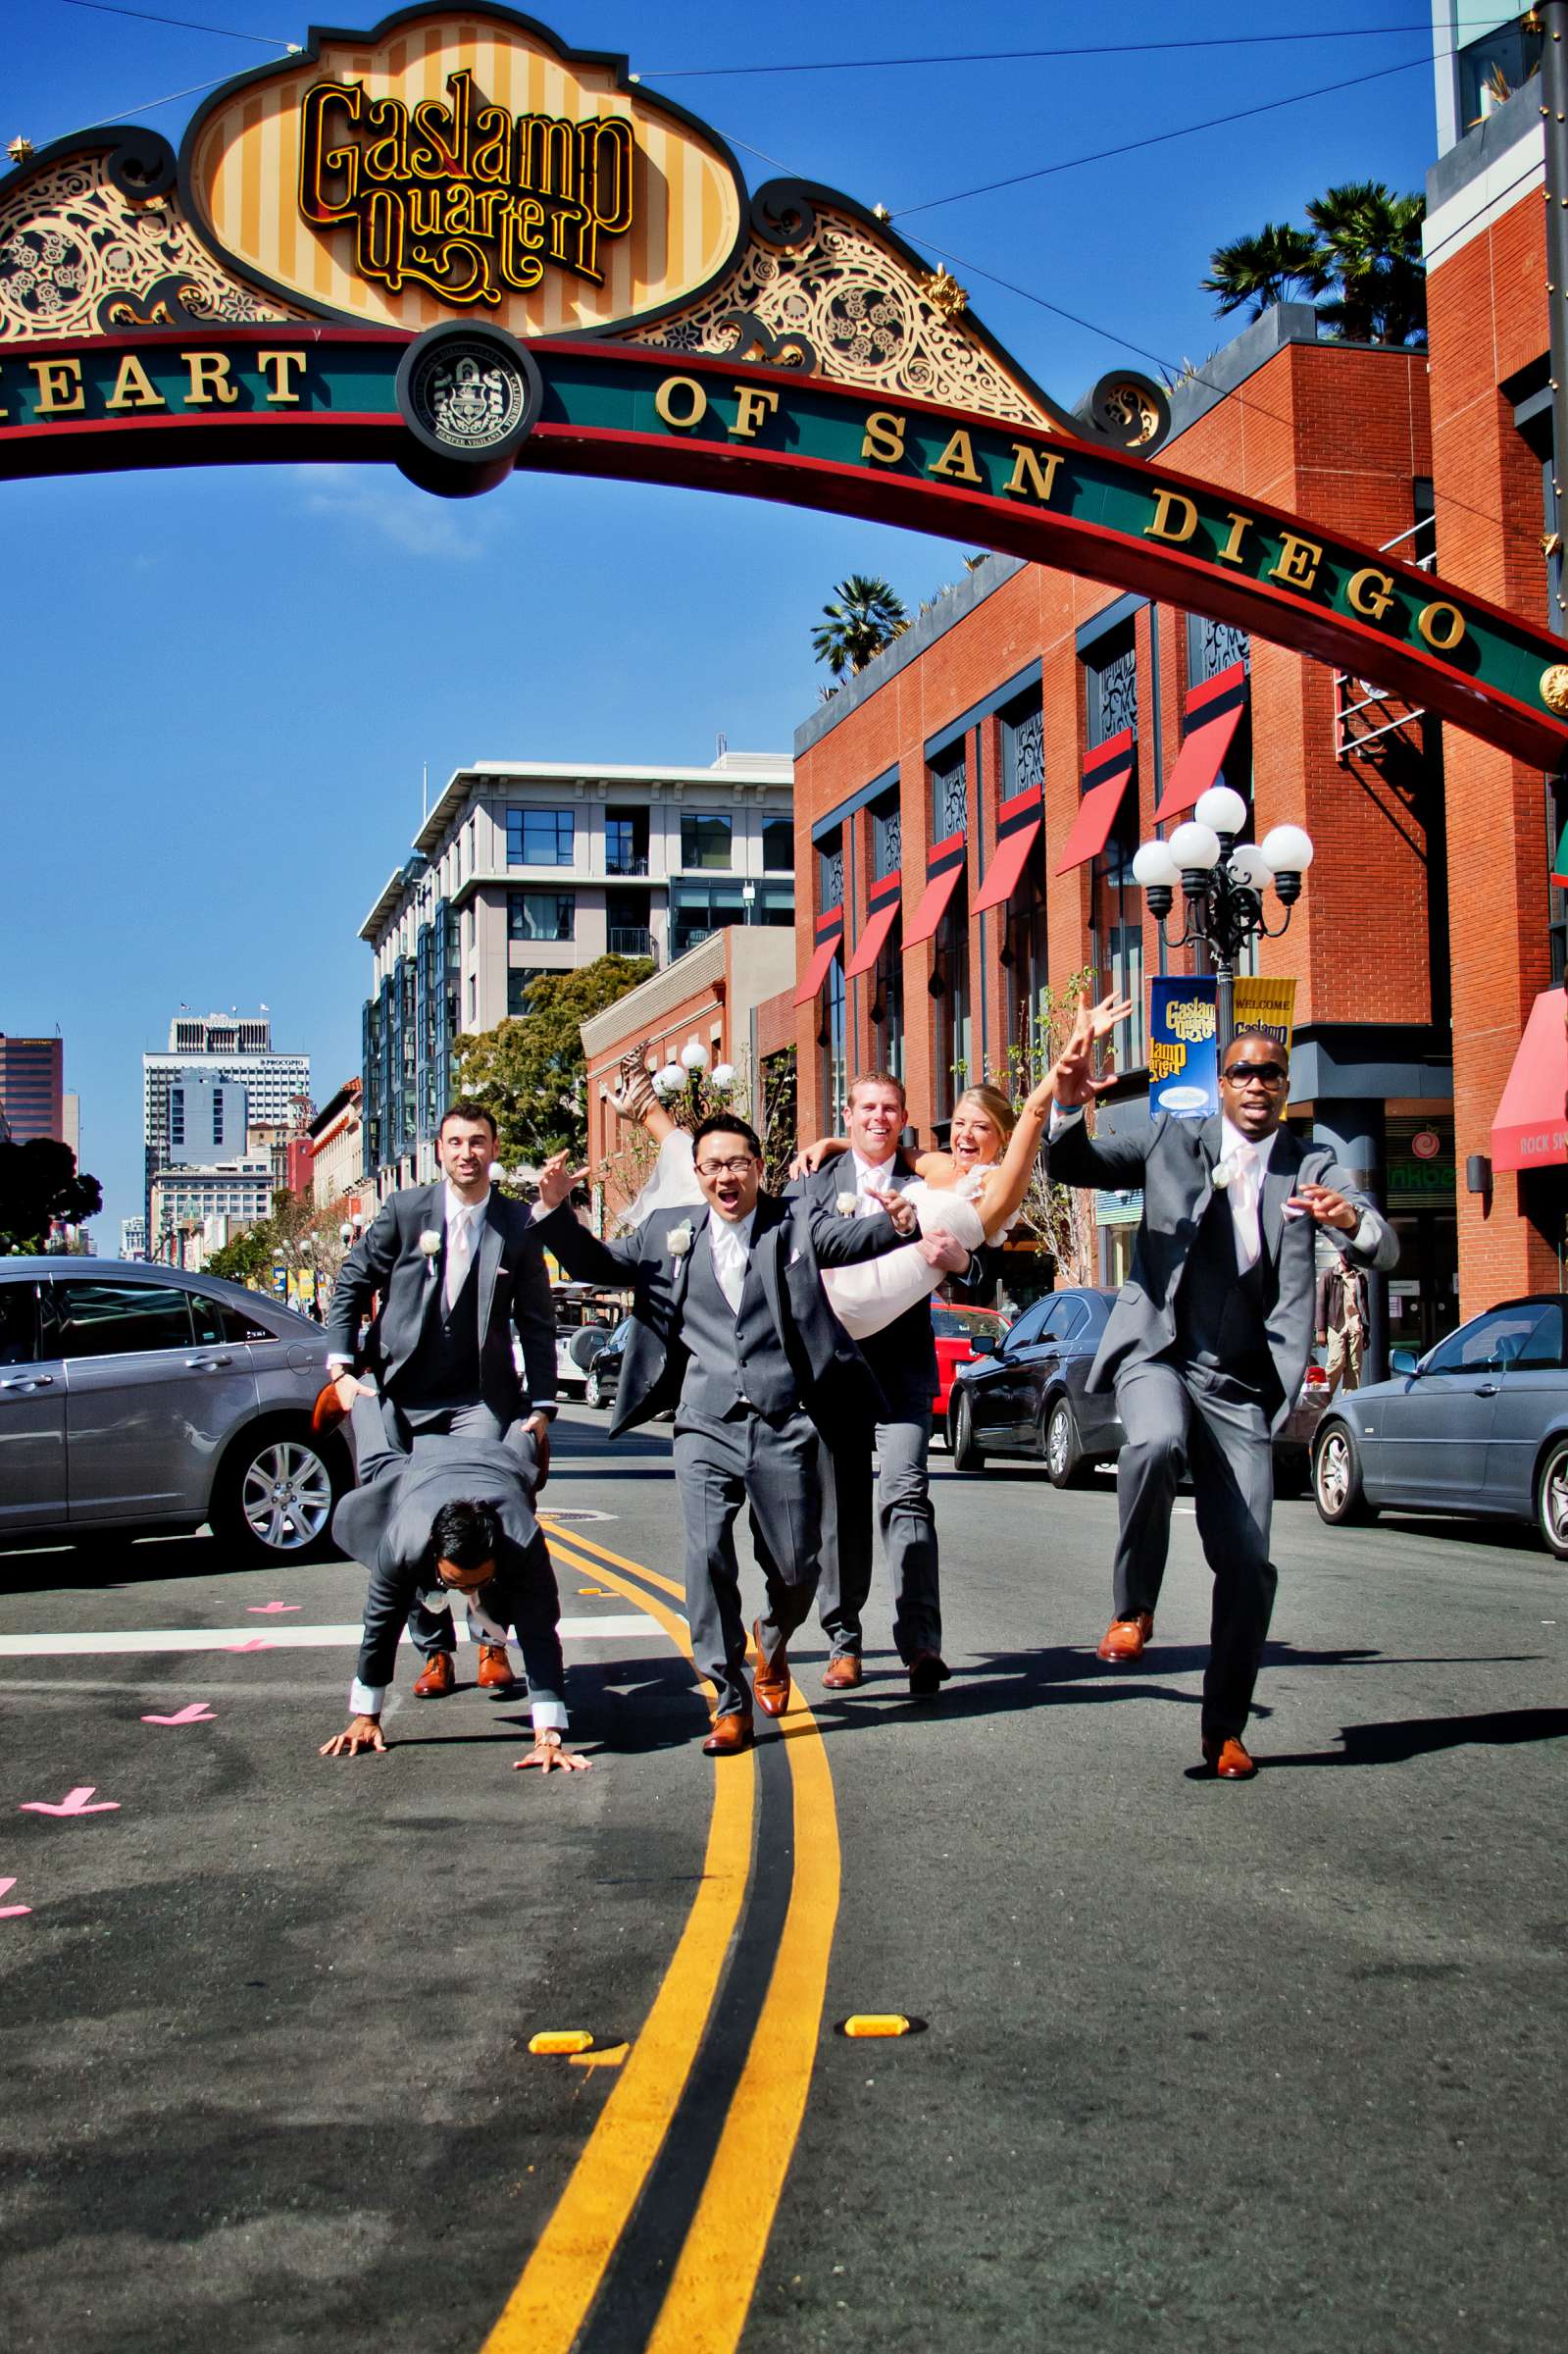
(1426, 1144)
(1267, 1006)
(1183, 1063)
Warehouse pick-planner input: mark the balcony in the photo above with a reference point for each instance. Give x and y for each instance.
(631, 939)
(625, 862)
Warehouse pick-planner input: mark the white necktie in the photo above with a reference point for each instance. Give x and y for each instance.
(459, 1252)
(729, 1261)
(1245, 1207)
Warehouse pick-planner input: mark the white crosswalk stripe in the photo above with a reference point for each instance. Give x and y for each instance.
(613, 1627)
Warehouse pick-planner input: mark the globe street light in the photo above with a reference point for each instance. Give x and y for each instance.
(1222, 884)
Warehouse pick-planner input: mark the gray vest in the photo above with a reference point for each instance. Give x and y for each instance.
(444, 1370)
(733, 1361)
(1221, 1314)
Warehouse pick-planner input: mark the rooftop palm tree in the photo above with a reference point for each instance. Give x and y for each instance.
(1362, 251)
(866, 616)
(1259, 269)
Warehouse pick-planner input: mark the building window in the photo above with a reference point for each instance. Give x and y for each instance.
(830, 873)
(832, 1036)
(539, 837)
(1023, 747)
(1493, 67)
(626, 842)
(1557, 897)
(1110, 687)
(887, 836)
(517, 992)
(705, 839)
(950, 985)
(1213, 646)
(540, 914)
(778, 845)
(1028, 973)
(1116, 937)
(472, 1000)
(888, 1004)
(698, 909)
(950, 796)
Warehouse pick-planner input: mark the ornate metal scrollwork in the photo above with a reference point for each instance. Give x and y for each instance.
(753, 339)
(1127, 409)
(783, 215)
(142, 166)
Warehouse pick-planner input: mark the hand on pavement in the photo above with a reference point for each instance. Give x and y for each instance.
(365, 1733)
(547, 1752)
(556, 1180)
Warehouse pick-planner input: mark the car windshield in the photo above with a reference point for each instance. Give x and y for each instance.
(954, 1323)
(1531, 1334)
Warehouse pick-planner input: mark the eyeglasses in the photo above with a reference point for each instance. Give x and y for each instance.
(1271, 1074)
(726, 1169)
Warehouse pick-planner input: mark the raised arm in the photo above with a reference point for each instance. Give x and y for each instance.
(1003, 1190)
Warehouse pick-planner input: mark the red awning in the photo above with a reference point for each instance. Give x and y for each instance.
(868, 946)
(932, 900)
(816, 972)
(1197, 763)
(1092, 827)
(1005, 868)
(1530, 1130)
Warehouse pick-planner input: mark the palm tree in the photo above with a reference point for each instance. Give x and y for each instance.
(1258, 270)
(1362, 251)
(866, 617)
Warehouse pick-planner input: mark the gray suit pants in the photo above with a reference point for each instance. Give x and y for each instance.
(908, 1526)
(771, 1463)
(1218, 1425)
(384, 1440)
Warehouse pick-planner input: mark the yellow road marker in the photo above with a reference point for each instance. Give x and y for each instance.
(593, 1590)
(666, 1585)
(611, 2056)
(876, 2022)
(561, 2040)
(546, 2311)
(710, 2293)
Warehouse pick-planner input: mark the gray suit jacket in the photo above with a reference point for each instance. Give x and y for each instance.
(514, 1289)
(1173, 1160)
(792, 1242)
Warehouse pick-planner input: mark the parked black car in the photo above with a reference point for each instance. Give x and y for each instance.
(604, 1367)
(1028, 1395)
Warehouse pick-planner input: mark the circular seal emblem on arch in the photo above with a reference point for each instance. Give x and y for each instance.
(469, 395)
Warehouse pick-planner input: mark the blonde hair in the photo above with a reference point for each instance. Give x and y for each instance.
(998, 1109)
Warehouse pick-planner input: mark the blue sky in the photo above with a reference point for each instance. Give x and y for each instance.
(209, 785)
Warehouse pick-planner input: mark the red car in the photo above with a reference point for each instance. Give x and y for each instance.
(956, 1328)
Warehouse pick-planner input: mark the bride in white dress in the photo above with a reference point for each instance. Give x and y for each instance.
(973, 1191)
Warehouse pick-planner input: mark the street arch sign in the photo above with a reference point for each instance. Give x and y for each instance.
(453, 244)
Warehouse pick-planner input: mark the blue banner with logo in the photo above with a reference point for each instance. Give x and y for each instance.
(1183, 1064)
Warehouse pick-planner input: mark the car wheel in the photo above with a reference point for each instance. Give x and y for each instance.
(1337, 1488)
(967, 1456)
(276, 1497)
(1060, 1445)
(1551, 1499)
(592, 1395)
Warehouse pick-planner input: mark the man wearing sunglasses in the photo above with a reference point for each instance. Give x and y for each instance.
(1208, 1342)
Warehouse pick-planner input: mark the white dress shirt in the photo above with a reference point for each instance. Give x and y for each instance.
(463, 1220)
(871, 1173)
(731, 1243)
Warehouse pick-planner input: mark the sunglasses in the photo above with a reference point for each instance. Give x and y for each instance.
(1271, 1074)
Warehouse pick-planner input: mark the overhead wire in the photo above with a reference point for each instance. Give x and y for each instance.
(992, 57)
(111, 8)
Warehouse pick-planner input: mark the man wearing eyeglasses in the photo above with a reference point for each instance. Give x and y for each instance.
(730, 1325)
(1207, 1344)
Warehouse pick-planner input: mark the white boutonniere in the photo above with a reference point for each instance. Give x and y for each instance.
(846, 1205)
(430, 1243)
(681, 1239)
(1222, 1173)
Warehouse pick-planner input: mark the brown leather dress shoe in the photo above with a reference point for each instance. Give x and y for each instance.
(843, 1672)
(327, 1411)
(1228, 1758)
(495, 1669)
(439, 1677)
(1124, 1639)
(730, 1735)
(772, 1678)
(928, 1672)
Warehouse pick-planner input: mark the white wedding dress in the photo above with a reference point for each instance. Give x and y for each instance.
(866, 1298)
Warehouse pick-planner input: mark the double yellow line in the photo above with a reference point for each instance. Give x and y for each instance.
(705, 2306)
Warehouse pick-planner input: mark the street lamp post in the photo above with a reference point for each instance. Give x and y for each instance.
(1221, 883)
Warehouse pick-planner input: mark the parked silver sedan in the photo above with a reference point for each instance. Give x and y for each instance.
(137, 1397)
(1477, 1425)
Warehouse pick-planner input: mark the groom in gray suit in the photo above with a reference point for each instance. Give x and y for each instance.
(1208, 1342)
(730, 1325)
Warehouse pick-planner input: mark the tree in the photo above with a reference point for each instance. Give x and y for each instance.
(39, 1188)
(1360, 261)
(866, 617)
(530, 1072)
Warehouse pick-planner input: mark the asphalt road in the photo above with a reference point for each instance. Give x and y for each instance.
(1195, 2061)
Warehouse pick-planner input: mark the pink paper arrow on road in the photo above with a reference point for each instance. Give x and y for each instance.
(269, 1609)
(256, 1643)
(196, 1712)
(74, 1802)
(11, 1911)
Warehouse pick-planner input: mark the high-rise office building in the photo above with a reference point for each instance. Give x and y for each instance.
(218, 1071)
(32, 1087)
